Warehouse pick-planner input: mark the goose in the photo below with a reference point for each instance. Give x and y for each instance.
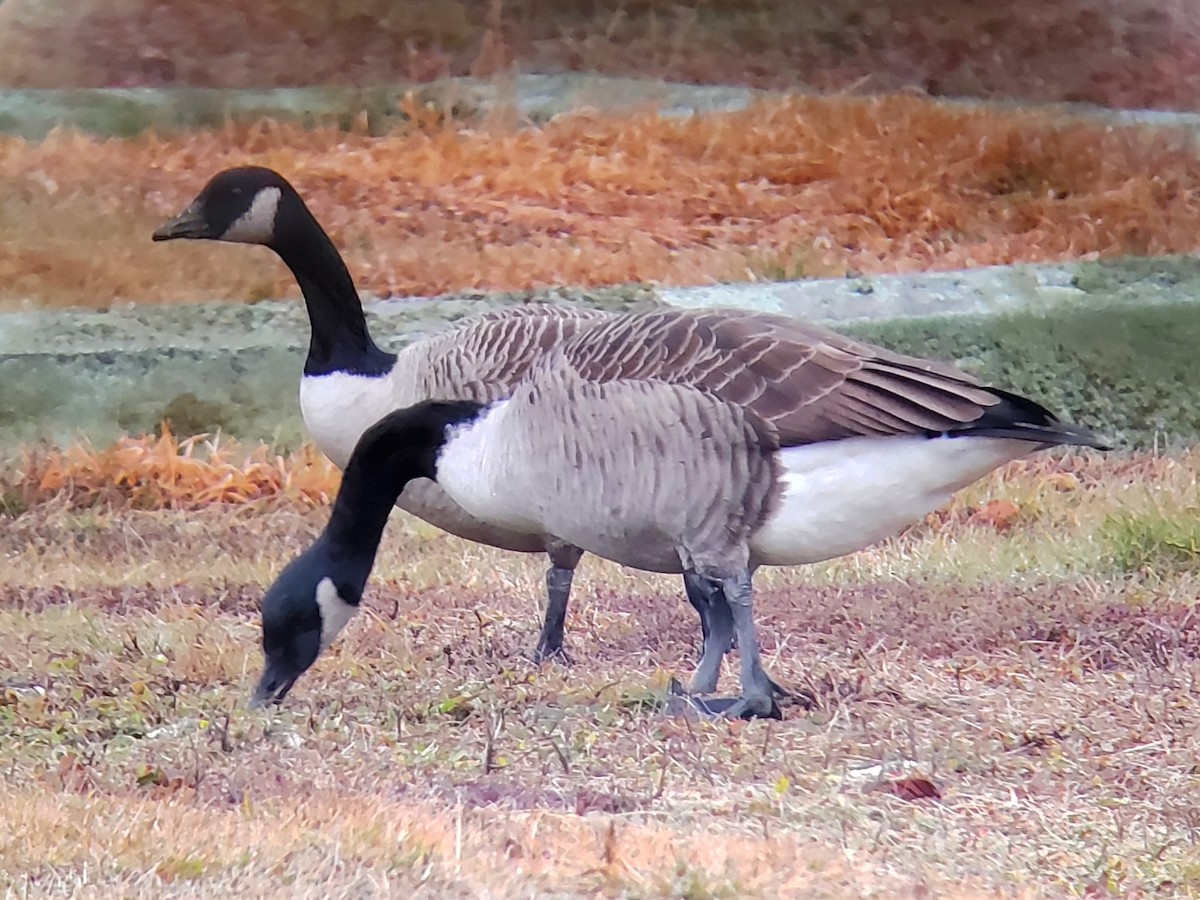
(349, 382)
(710, 441)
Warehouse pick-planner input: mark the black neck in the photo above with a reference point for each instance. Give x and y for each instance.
(339, 341)
(402, 446)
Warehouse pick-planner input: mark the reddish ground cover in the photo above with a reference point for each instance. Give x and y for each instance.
(1115, 52)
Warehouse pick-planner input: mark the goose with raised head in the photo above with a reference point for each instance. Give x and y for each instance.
(350, 382)
(714, 442)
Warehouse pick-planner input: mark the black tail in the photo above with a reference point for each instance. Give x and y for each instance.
(1022, 419)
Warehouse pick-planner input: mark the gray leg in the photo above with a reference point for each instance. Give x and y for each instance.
(716, 622)
(709, 599)
(563, 560)
(705, 594)
(757, 700)
(558, 592)
(698, 588)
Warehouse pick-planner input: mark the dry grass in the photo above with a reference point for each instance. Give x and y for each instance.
(1014, 661)
(336, 844)
(1117, 52)
(787, 189)
(163, 472)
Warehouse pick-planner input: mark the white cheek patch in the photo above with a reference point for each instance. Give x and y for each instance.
(335, 612)
(257, 224)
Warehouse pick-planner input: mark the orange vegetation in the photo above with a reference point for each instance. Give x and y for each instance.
(166, 473)
(805, 186)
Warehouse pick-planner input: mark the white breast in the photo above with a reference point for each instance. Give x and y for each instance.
(842, 496)
(338, 407)
(474, 469)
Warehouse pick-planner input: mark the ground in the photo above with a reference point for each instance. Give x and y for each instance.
(1006, 704)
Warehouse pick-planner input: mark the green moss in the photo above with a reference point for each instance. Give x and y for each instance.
(1154, 542)
(1109, 277)
(115, 115)
(1130, 372)
(188, 414)
(11, 503)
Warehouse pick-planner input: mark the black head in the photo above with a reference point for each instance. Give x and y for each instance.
(302, 612)
(317, 593)
(241, 205)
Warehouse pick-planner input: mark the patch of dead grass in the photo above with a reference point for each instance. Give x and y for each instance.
(333, 844)
(806, 186)
(1053, 707)
(165, 472)
(1057, 720)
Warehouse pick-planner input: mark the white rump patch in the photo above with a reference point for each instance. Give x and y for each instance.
(842, 496)
(335, 612)
(257, 224)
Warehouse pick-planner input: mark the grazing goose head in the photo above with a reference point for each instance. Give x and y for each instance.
(316, 594)
(310, 602)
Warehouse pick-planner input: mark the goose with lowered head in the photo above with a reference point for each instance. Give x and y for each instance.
(706, 441)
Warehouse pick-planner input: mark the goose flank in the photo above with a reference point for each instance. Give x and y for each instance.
(705, 441)
(350, 382)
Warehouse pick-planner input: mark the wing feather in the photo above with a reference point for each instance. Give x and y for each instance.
(484, 356)
(808, 383)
